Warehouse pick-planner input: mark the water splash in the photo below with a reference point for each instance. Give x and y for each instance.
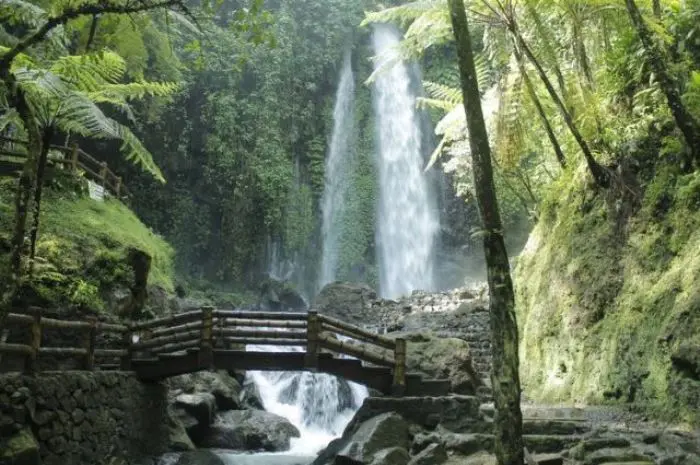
(319, 405)
(407, 217)
(336, 173)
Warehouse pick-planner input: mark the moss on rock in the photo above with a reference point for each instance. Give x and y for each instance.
(607, 294)
(20, 449)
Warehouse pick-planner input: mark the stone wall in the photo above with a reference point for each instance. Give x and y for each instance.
(80, 418)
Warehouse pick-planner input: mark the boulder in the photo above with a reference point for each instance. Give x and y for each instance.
(391, 456)
(434, 454)
(280, 296)
(384, 431)
(195, 412)
(250, 430)
(224, 387)
(443, 358)
(201, 406)
(347, 301)
(250, 397)
(178, 439)
(19, 449)
(200, 457)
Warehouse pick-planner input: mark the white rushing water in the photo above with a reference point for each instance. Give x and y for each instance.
(319, 405)
(337, 181)
(407, 220)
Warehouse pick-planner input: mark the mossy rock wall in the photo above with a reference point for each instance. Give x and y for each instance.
(608, 297)
(81, 418)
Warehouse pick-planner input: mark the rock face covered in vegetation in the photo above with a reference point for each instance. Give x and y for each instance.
(91, 255)
(608, 300)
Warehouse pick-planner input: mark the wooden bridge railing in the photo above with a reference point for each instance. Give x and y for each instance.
(209, 330)
(75, 158)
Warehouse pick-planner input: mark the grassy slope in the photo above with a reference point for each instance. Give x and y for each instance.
(607, 294)
(83, 245)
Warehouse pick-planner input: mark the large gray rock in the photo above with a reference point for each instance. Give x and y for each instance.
(391, 456)
(454, 413)
(178, 439)
(250, 430)
(280, 296)
(224, 387)
(381, 432)
(434, 454)
(249, 396)
(443, 358)
(347, 301)
(200, 457)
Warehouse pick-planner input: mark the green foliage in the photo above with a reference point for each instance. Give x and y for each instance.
(83, 253)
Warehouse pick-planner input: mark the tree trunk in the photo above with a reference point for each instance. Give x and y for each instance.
(504, 330)
(540, 109)
(41, 168)
(25, 187)
(685, 121)
(600, 176)
(656, 6)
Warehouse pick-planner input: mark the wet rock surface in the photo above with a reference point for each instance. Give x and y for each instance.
(552, 435)
(250, 430)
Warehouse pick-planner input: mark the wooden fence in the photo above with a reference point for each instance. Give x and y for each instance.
(207, 331)
(75, 159)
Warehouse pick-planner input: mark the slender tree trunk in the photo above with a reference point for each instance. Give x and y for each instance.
(25, 187)
(540, 109)
(688, 125)
(91, 35)
(41, 168)
(504, 330)
(600, 176)
(656, 6)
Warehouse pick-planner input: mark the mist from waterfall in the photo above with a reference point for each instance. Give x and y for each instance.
(407, 219)
(337, 180)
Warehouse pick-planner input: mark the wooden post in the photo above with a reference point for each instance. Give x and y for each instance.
(206, 354)
(313, 346)
(399, 385)
(127, 343)
(117, 187)
(74, 158)
(103, 174)
(30, 362)
(90, 342)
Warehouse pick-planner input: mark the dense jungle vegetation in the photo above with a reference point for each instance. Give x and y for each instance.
(218, 117)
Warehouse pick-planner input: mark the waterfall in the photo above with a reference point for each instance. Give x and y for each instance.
(407, 219)
(319, 405)
(336, 173)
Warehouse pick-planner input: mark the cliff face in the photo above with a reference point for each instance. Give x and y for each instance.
(608, 295)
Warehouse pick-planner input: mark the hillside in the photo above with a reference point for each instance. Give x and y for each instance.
(86, 249)
(607, 291)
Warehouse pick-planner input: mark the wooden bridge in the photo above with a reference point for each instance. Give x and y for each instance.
(222, 339)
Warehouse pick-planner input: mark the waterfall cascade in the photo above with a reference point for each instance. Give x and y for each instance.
(336, 179)
(407, 219)
(319, 405)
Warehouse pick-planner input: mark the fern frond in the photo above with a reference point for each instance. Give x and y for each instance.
(402, 15)
(90, 72)
(21, 12)
(112, 93)
(450, 95)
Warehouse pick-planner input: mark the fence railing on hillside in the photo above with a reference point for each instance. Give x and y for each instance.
(207, 331)
(75, 159)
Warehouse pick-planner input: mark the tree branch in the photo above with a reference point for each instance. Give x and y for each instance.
(72, 13)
